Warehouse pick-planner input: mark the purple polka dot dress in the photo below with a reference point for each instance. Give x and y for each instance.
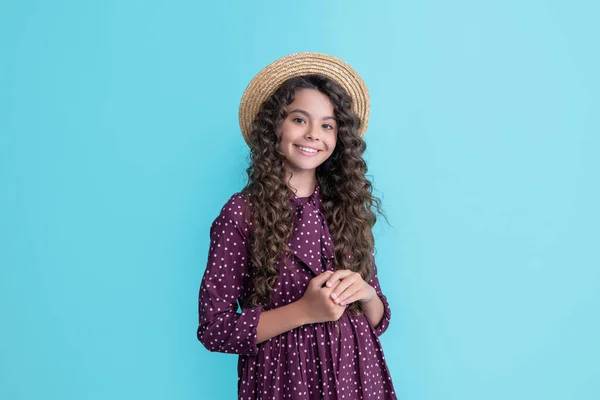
(332, 360)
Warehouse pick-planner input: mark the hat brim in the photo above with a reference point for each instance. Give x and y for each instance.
(264, 84)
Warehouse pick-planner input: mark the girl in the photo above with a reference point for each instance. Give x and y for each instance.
(294, 249)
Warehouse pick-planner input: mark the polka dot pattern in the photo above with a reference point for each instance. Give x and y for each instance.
(333, 360)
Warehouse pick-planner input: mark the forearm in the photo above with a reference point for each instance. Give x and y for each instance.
(373, 310)
(279, 320)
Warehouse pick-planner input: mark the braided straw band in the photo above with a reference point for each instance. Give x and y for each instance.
(273, 75)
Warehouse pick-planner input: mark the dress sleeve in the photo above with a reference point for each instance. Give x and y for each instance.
(387, 313)
(221, 327)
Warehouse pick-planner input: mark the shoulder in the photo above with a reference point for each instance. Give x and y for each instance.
(235, 206)
(235, 213)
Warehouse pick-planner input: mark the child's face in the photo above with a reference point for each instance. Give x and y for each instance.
(309, 132)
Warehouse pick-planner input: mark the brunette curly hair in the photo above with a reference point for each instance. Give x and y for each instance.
(348, 202)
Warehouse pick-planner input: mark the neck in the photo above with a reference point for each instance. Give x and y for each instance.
(303, 183)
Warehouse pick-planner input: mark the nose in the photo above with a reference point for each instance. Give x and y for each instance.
(312, 132)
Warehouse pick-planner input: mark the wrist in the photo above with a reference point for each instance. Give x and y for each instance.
(302, 311)
(373, 296)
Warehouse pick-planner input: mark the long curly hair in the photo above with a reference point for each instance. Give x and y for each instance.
(348, 202)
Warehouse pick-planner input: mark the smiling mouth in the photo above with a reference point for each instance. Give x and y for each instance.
(307, 149)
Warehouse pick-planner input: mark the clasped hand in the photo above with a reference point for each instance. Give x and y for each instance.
(329, 293)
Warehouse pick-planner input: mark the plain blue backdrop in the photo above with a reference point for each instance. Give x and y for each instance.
(119, 143)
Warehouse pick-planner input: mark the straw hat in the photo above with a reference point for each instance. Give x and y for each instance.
(273, 75)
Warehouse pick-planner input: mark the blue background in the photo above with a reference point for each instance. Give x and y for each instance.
(119, 143)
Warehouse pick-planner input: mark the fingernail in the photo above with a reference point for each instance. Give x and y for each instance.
(328, 283)
(334, 295)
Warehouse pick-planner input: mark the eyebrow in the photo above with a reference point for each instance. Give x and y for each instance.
(308, 114)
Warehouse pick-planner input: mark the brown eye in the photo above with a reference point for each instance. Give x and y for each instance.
(298, 120)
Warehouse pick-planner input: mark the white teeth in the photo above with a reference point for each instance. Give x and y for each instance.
(307, 149)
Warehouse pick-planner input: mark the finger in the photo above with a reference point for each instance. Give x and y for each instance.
(321, 278)
(355, 297)
(334, 286)
(327, 290)
(338, 275)
(355, 288)
(342, 287)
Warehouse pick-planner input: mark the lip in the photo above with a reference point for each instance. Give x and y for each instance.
(306, 153)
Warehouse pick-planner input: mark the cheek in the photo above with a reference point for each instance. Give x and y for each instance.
(282, 144)
(282, 135)
(287, 131)
(332, 142)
